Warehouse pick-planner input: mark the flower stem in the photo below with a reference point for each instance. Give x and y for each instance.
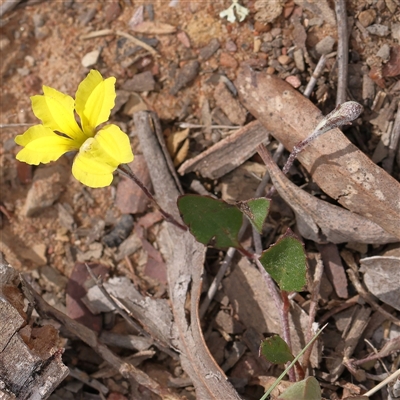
(125, 170)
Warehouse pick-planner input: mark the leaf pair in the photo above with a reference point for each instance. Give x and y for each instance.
(216, 223)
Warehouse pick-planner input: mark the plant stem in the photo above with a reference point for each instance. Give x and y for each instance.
(125, 170)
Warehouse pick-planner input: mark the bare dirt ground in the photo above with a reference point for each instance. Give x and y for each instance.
(186, 69)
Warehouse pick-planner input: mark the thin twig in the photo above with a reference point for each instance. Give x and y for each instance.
(342, 51)
(316, 74)
(125, 315)
(319, 270)
(125, 170)
(383, 383)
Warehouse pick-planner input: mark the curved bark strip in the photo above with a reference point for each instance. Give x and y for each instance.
(185, 260)
(337, 166)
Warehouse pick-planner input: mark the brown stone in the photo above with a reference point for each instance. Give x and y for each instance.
(226, 60)
(367, 17)
(284, 59)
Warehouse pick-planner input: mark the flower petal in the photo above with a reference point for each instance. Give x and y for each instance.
(56, 111)
(99, 157)
(94, 100)
(91, 171)
(42, 145)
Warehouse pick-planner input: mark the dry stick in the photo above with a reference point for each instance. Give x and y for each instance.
(342, 51)
(369, 298)
(383, 383)
(125, 315)
(232, 251)
(394, 143)
(125, 170)
(347, 304)
(316, 74)
(90, 337)
(319, 270)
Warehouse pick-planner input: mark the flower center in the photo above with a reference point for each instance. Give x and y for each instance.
(87, 145)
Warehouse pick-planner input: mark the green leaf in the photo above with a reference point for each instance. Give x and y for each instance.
(256, 210)
(308, 389)
(211, 221)
(276, 350)
(285, 261)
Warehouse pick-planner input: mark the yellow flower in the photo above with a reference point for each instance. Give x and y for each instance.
(99, 151)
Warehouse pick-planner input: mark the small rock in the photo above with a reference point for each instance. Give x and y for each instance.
(268, 37)
(260, 27)
(325, 46)
(94, 253)
(206, 52)
(184, 76)
(128, 246)
(367, 17)
(396, 32)
(48, 184)
(270, 70)
(392, 67)
(229, 104)
(120, 232)
(142, 82)
(277, 43)
(299, 59)
(113, 11)
(257, 45)
(40, 251)
(129, 198)
(294, 81)
(378, 30)
(284, 59)
(91, 58)
(384, 52)
(230, 45)
(184, 39)
(276, 31)
(30, 61)
(315, 22)
(226, 60)
(53, 278)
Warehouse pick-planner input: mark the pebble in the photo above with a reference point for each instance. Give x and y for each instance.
(299, 59)
(396, 32)
(87, 16)
(257, 45)
(48, 185)
(226, 60)
(91, 58)
(367, 17)
(267, 37)
(38, 20)
(325, 46)
(284, 59)
(260, 27)
(30, 61)
(378, 30)
(113, 11)
(184, 76)
(184, 39)
(23, 71)
(270, 70)
(315, 22)
(230, 45)
(206, 52)
(384, 52)
(276, 31)
(294, 81)
(142, 82)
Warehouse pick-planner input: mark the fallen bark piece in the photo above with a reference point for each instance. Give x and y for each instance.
(382, 277)
(30, 359)
(321, 221)
(337, 166)
(228, 153)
